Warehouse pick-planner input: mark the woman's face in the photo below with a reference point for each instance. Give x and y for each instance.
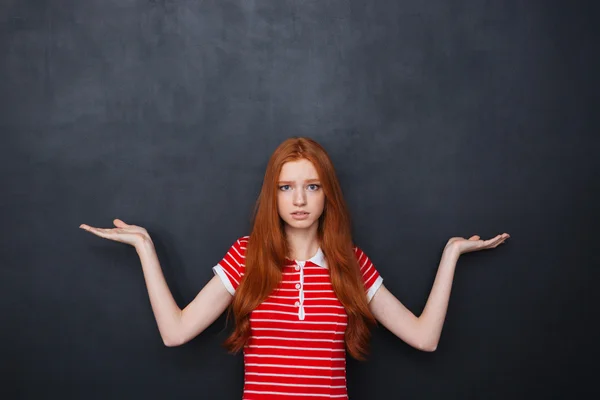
(300, 197)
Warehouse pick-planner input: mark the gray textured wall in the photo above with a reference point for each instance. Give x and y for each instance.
(443, 119)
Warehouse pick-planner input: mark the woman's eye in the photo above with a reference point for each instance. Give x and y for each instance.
(284, 187)
(313, 187)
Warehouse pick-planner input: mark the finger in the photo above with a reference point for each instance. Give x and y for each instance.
(120, 224)
(475, 237)
(505, 237)
(103, 233)
(88, 228)
(492, 240)
(495, 244)
(97, 231)
(496, 241)
(93, 228)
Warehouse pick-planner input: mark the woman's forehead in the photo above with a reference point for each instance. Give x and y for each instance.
(301, 169)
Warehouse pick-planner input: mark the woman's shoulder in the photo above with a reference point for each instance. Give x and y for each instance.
(243, 240)
(236, 254)
(357, 250)
(361, 256)
(240, 245)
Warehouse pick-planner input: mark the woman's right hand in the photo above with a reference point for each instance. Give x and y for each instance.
(124, 233)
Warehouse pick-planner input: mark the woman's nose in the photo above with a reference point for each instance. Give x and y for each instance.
(299, 198)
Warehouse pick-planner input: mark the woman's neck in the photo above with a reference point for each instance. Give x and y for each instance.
(303, 243)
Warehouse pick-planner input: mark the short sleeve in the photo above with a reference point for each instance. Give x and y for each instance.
(231, 268)
(370, 276)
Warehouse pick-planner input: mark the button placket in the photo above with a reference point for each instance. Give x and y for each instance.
(300, 287)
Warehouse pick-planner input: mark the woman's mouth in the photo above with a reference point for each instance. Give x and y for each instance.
(300, 215)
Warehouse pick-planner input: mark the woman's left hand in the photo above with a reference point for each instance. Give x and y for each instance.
(474, 243)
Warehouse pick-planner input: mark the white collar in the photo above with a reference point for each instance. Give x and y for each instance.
(317, 259)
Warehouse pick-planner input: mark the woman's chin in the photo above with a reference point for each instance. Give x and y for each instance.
(300, 224)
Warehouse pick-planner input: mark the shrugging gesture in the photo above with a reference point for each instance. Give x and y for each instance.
(130, 234)
(176, 326)
(424, 332)
(474, 243)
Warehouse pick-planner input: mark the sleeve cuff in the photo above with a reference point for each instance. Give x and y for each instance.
(374, 287)
(218, 270)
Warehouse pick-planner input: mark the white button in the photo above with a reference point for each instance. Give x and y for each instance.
(297, 268)
(297, 286)
(297, 303)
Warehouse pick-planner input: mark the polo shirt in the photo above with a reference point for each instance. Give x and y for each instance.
(296, 348)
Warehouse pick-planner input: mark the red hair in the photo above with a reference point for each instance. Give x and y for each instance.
(267, 250)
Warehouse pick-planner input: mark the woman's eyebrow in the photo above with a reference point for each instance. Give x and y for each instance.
(307, 181)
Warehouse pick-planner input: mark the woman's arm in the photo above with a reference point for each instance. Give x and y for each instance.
(178, 326)
(421, 332)
(424, 332)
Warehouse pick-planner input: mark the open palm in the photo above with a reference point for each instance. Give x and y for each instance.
(124, 233)
(475, 243)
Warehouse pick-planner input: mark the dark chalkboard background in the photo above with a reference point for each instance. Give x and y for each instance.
(443, 119)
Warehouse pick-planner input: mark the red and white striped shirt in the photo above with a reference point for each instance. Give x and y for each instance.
(296, 348)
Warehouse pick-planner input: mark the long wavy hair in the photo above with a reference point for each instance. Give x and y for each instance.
(267, 250)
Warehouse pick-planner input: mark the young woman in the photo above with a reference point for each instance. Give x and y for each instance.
(302, 294)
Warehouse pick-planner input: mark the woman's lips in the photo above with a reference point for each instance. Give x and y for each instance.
(300, 215)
